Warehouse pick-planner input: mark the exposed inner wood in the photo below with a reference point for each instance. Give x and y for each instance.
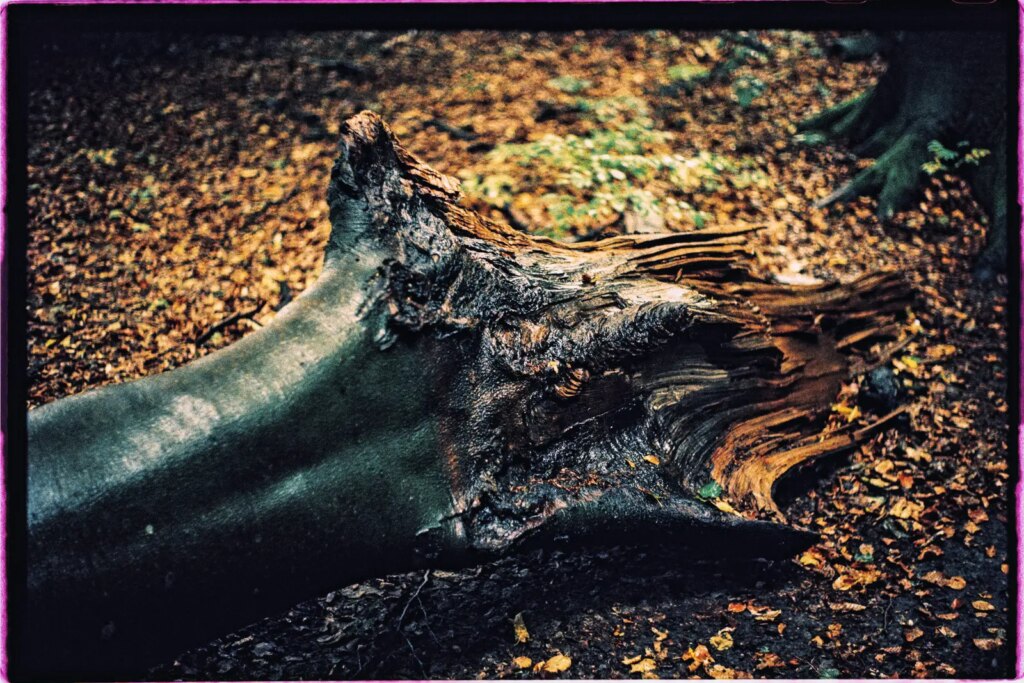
(665, 344)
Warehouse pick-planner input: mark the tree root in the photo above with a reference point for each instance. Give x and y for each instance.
(894, 177)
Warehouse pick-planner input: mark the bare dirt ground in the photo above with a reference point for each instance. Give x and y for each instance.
(179, 182)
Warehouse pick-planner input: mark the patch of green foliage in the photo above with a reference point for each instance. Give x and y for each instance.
(710, 490)
(747, 89)
(687, 73)
(945, 159)
(619, 166)
(570, 84)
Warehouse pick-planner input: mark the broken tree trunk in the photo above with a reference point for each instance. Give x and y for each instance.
(946, 86)
(449, 391)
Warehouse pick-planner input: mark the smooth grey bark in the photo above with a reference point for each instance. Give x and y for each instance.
(230, 488)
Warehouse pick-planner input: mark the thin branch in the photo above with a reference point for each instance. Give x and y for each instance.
(227, 322)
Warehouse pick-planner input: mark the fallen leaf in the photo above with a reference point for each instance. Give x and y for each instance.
(722, 640)
(846, 607)
(987, 644)
(643, 666)
(519, 626)
(698, 656)
(523, 662)
(768, 660)
(557, 664)
(720, 672)
(906, 509)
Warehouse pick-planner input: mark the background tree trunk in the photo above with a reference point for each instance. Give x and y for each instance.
(946, 86)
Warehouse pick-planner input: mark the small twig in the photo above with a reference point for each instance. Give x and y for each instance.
(423, 669)
(416, 594)
(230, 320)
(455, 131)
(885, 617)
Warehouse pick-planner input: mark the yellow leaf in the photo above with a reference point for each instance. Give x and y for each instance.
(722, 640)
(653, 459)
(643, 666)
(910, 635)
(523, 662)
(274, 193)
(305, 152)
(724, 506)
(519, 626)
(982, 606)
(906, 509)
(846, 411)
(699, 655)
(812, 558)
(722, 672)
(632, 660)
(557, 664)
(940, 351)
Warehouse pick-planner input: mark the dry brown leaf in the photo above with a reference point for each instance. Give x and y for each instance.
(846, 607)
(987, 644)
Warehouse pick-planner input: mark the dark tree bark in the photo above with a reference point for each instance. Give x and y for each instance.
(946, 86)
(451, 390)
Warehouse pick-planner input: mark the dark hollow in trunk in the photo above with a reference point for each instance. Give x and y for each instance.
(947, 86)
(450, 390)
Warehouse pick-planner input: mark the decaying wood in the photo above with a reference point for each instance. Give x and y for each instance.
(612, 351)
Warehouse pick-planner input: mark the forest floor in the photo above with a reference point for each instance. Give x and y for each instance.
(177, 200)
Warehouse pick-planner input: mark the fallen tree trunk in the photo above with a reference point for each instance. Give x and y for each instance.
(450, 390)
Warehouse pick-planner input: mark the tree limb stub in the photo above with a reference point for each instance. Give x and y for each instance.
(579, 361)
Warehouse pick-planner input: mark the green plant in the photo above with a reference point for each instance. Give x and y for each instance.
(747, 89)
(624, 164)
(945, 159)
(687, 73)
(570, 84)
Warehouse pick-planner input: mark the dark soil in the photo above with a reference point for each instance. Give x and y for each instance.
(176, 181)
